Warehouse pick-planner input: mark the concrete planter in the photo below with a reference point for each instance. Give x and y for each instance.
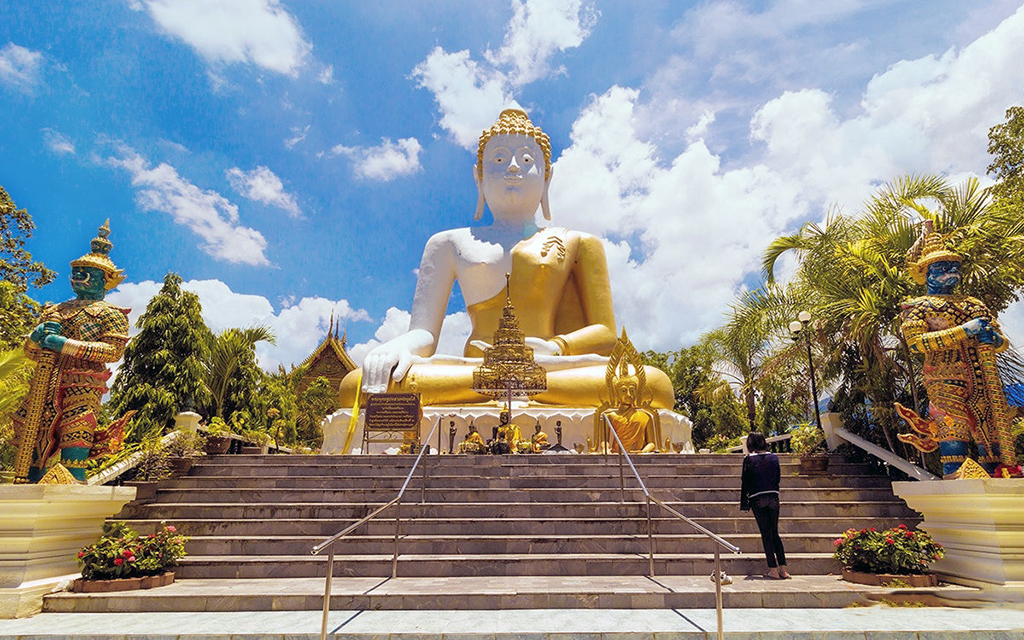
(41, 531)
(979, 522)
(217, 445)
(81, 585)
(885, 579)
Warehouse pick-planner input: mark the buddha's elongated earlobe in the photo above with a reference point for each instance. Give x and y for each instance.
(479, 193)
(545, 209)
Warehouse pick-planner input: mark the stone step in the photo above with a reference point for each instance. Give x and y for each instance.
(409, 565)
(468, 593)
(716, 464)
(394, 483)
(472, 544)
(840, 510)
(385, 524)
(526, 495)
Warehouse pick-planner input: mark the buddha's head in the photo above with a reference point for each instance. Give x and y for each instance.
(508, 171)
(627, 386)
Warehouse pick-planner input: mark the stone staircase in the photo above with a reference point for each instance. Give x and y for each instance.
(482, 518)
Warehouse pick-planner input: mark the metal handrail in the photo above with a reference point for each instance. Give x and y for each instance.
(396, 502)
(718, 540)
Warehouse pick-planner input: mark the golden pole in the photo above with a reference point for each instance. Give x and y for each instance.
(41, 381)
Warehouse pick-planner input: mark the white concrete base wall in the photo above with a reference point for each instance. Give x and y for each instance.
(42, 528)
(980, 522)
(577, 426)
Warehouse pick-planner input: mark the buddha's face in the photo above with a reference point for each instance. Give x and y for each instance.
(512, 177)
(626, 389)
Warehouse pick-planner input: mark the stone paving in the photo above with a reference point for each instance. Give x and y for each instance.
(492, 592)
(862, 623)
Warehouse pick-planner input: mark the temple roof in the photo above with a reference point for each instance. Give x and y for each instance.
(331, 348)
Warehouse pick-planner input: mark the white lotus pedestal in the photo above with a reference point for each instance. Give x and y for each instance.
(979, 522)
(42, 528)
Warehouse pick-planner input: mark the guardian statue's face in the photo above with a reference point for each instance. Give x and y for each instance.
(943, 276)
(88, 282)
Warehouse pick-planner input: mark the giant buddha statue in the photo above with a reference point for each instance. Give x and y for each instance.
(559, 287)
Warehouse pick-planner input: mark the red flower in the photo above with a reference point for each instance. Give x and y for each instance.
(890, 541)
(835, 543)
(81, 553)
(864, 531)
(118, 561)
(171, 528)
(873, 530)
(902, 526)
(908, 535)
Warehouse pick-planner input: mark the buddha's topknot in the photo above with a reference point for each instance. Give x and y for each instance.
(515, 122)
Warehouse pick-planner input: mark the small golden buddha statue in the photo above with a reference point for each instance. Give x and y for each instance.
(559, 282)
(473, 442)
(539, 439)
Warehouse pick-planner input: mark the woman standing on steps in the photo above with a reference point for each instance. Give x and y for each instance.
(760, 493)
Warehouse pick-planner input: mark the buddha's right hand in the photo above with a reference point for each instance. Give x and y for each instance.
(379, 364)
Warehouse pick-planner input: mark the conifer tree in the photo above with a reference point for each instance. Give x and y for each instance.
(18, 272)
(162, 371)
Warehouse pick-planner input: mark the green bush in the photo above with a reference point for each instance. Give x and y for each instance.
(122, 553)
(898, 550)
(807, 439)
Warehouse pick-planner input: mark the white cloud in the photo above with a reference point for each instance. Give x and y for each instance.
(386, 161)
(300, 135)
(687, 224)
(538, 29)
(208, 214)
(57, 142)
(20, 68)
(326, 75)
(928, 114)
(259, 32)
(692, 226)
(470, 95)
(298, 327)
(262, 185)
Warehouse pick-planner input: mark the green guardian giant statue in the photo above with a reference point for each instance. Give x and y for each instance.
(57, 422)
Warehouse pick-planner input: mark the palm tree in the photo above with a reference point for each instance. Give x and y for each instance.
(15, 375)
(230, 351)
(744, 345)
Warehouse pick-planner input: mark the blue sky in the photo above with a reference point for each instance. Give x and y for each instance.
(290, 159)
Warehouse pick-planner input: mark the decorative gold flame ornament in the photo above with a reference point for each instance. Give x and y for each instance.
(509, 368)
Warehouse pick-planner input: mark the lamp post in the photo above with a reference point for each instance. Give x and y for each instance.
(795, 328)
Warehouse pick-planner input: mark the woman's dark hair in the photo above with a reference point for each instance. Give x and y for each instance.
(756, 442)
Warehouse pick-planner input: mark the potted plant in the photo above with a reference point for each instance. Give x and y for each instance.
(122, 559)
(182, 449)
(218, 437)
(808, 441)
(877, 557)
(256, 442)
(151, 467)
